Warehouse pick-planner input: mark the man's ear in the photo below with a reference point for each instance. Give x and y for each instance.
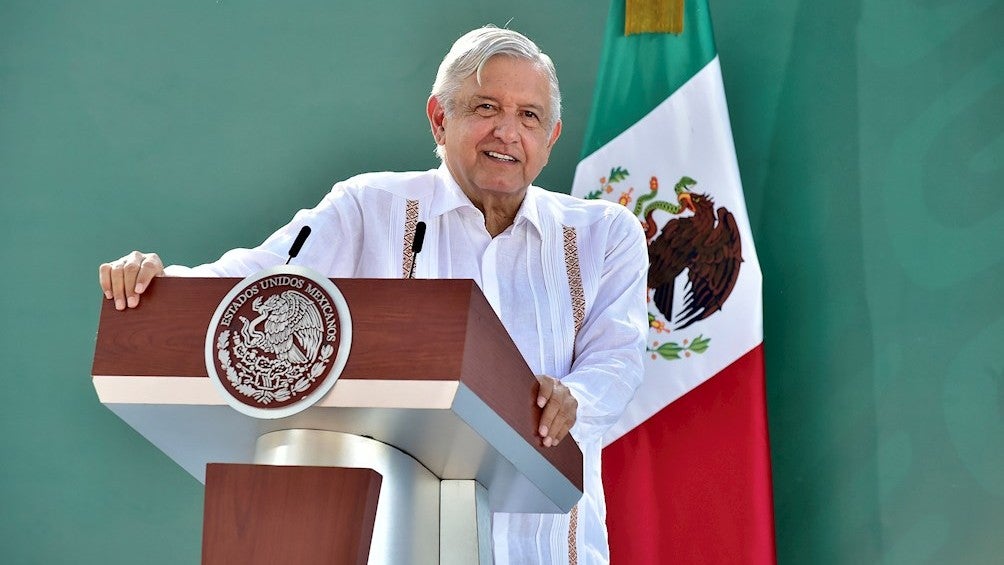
(555, 134)
(437, 119)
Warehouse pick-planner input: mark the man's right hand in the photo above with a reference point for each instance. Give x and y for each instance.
(125, 279)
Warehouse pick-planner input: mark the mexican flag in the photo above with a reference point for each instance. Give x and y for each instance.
(687, 468)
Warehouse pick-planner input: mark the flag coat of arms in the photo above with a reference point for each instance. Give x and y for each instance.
(687, 468)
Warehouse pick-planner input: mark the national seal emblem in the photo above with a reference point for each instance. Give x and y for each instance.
(278, 341)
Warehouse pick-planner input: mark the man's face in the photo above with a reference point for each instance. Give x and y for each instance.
(496, 141)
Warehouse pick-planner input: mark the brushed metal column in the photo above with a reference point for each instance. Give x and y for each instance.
(407, 526)
(466, 528)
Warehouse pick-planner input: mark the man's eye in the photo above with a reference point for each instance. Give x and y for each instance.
(531, 115)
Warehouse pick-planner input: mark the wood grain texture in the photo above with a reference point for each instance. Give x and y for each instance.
(263, 514)
(421, 321)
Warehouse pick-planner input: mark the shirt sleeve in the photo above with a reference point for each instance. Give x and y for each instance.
(608, 368)
(330, 249)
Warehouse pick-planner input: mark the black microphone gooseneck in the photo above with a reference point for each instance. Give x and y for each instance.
(416, 247)
(294, 249)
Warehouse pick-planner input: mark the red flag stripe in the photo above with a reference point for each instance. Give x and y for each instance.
(692, 483)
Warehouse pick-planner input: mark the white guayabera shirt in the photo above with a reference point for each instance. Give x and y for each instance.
(560, 254)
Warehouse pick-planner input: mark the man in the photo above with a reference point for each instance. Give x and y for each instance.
(566, 276)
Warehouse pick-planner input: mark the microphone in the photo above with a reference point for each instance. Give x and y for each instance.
(416, 246)
(294, 249)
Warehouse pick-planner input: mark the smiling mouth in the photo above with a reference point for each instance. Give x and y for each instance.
(501, 157)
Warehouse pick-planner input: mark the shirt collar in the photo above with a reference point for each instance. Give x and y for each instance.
(449, 197)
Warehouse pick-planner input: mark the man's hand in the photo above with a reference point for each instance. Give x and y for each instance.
(559, 411)
(125, 279)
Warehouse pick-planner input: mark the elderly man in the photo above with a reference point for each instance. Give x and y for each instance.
(566, 276)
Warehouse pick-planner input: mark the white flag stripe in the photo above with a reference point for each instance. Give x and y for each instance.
(686, 135)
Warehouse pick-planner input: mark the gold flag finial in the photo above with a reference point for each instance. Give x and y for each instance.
(653, 16)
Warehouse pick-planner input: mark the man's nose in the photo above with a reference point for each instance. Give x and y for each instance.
(507, 128)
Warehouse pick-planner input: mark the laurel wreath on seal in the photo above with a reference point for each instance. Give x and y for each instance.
(293, 379)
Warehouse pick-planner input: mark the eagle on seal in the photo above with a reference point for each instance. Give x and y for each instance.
(293, 327)
(706, 245)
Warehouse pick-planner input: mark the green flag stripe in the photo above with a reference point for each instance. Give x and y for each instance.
(639, 72)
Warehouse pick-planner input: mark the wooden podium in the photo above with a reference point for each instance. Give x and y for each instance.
(430, 427)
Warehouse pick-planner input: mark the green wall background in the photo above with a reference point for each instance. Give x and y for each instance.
(870, 136)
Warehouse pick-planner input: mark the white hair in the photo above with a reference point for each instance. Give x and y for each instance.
(472, 51)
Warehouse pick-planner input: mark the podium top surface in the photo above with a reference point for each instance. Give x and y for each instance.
(428, 357)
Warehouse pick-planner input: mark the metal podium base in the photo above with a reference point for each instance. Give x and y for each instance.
(419, 519)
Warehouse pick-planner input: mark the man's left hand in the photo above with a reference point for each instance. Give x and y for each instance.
(559, 408)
